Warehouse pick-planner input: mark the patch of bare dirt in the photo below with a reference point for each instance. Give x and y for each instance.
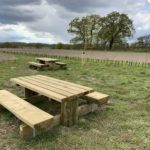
(7, 128)
(6, 57)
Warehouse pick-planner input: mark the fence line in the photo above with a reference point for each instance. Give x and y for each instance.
(47, 54)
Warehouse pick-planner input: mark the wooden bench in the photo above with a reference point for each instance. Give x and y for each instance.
(97, 97)
(34, 118)
(37, 65)
(61, 64)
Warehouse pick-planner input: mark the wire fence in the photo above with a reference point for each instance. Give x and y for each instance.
(116, 58)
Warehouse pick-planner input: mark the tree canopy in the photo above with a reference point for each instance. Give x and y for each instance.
(94, 30)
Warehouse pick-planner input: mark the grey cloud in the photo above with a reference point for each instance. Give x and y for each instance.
(4, 3)
(80, 5)
(13, 12)
(87, 5)
(58, 28)
(13, 16)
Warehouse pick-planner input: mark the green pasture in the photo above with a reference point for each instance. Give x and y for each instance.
(124, 124)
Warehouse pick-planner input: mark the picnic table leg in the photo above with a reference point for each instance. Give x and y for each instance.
(69, 112)
(52, 65)
(2, 108)
(33, 97)
(28, 93)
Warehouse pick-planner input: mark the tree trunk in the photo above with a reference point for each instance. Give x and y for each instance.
(111, 43)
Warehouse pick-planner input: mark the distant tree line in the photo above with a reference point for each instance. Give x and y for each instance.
(137, 46)
(23, 45)
(39, 45)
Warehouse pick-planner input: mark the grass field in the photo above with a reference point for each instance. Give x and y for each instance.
(121, 125)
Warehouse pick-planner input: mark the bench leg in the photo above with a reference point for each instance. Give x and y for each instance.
(26, 132)
(69, 112)
(52, 66)
(64, 67)
(87, 108)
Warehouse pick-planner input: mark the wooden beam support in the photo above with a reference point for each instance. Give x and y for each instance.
(28, 93)
(69, 112)
(96, 97)
(85, 109)
(36, 99)
(27, 132)
(2, 108)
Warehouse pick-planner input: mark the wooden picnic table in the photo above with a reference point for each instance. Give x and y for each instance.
(45, 60)
(64, 92)
(51, 62)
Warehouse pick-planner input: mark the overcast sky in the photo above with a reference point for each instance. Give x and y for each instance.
(46, 21)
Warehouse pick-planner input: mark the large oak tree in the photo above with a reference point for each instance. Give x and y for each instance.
(95, 30)
(116, 26)
(85, 29)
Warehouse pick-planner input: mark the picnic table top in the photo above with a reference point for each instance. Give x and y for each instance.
(52, 88)
(47, 59)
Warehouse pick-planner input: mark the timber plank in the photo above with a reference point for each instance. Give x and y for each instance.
(36, 64)
(58, 85)
(61, 63)
(40, 90)
(68, 83)
(46, 59)
(47, 86)
(97, 97)
(23, 110)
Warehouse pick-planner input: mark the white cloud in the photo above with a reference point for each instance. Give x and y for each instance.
(21, 33)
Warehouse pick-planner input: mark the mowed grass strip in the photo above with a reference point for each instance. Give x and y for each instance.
(121, 125)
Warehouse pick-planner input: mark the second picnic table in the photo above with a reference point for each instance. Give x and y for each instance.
(64, 92)
(51, 62)
(44, 60)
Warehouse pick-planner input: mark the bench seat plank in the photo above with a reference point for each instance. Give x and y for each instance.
(36, 64)
(23, 110)
(61, 63)
(97, 97)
